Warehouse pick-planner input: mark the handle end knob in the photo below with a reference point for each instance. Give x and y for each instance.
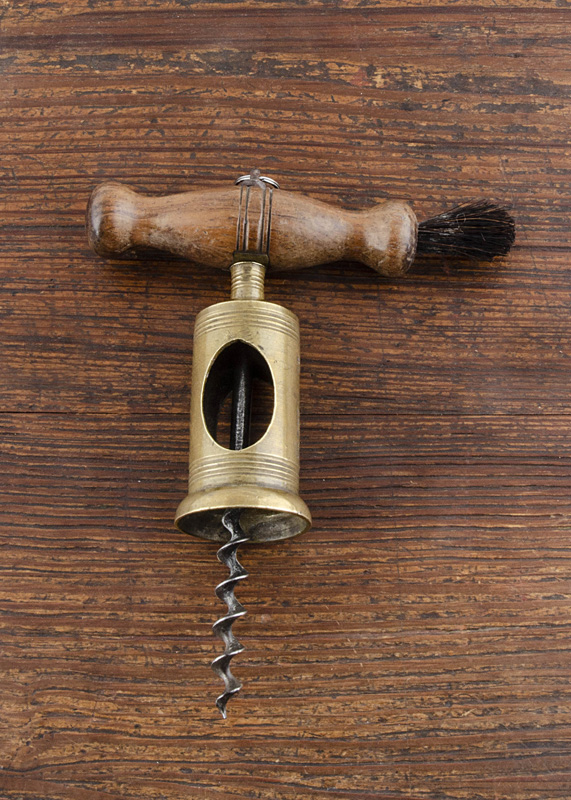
(112, 214)
(388, 234)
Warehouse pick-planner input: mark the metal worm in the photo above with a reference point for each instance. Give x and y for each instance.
(227, 555)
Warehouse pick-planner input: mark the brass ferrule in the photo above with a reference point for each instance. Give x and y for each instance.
(247, 280)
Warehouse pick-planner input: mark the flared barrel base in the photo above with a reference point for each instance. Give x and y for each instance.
(268, 514)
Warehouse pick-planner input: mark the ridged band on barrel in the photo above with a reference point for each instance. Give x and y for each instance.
(221, 316)
(218, 470)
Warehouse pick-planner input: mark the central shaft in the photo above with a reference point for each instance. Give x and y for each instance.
(247, 284)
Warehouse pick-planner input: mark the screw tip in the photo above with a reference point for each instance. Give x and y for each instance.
(221, 706)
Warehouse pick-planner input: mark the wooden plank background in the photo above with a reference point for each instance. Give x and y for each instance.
(415, 644)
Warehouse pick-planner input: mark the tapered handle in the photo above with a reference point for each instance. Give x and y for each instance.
(201, 226)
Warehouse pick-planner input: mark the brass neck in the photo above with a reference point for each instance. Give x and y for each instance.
(247, 280)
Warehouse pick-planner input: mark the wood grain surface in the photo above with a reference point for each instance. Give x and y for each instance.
(415, 644)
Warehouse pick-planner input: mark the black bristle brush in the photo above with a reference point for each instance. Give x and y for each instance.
(475, 231)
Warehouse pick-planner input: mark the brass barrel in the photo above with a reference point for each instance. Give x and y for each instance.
(263, 478)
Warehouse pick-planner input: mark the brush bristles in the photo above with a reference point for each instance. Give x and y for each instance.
(477, 231)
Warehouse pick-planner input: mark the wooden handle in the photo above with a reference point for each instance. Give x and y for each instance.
(201, 226)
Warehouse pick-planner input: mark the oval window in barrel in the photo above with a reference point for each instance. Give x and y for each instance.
(238, 398)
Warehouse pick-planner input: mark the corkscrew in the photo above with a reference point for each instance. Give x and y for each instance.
(244, 483)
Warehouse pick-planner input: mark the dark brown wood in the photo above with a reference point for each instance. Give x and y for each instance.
(415, 643)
